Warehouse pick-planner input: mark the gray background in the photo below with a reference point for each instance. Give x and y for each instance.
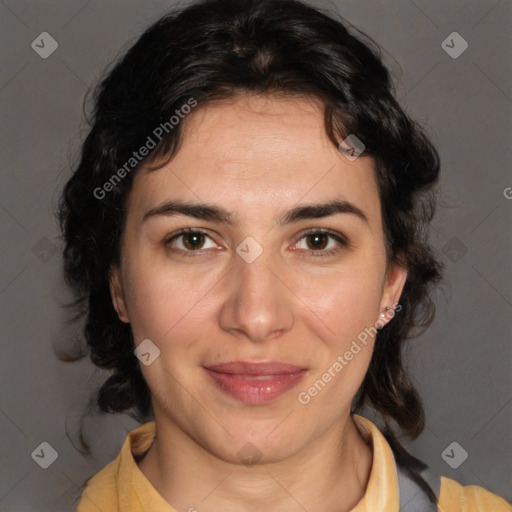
(461, 364)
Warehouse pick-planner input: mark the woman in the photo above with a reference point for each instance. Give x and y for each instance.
(246, 232)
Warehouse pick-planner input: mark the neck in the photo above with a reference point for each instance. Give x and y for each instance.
(188, 477)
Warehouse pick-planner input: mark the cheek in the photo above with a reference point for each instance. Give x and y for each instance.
(164, 303)
(344, 303)
(346, 331)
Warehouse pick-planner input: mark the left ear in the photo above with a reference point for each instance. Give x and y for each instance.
(395, 281)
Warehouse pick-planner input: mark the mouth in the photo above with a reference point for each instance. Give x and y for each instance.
(255, 383)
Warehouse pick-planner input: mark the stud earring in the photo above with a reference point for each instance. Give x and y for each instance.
(383, 315)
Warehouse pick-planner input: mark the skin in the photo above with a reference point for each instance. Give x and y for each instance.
(257, 157)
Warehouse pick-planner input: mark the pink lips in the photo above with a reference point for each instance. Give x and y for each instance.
(255, 383)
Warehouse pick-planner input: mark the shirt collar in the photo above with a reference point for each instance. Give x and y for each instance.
(135, 492)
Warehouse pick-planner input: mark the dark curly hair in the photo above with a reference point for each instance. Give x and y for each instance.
(214, 50)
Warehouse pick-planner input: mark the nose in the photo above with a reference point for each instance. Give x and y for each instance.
(259, 304)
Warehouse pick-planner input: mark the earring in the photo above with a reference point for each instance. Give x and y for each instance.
(383, 315)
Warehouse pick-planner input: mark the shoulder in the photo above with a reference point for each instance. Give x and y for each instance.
(112, 488)
(455, 497)
(100, 492)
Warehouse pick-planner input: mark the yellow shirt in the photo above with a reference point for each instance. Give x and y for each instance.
(122, 487)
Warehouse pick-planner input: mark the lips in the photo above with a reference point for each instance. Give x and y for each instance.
(246, 368)
(255, 383)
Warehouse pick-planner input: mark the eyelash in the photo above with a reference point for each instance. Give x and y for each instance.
(341, 239)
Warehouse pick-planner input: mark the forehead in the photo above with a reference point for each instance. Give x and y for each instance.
(258, 155)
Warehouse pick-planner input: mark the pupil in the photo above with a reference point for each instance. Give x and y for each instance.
(318, 240)
(193, 239)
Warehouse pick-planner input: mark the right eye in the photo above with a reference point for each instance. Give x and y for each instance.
(191, 240)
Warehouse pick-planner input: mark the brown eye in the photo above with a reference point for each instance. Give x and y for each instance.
(318, 241)
(193, 240)
(189, 240)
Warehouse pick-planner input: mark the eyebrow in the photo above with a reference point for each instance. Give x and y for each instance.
(218, 214)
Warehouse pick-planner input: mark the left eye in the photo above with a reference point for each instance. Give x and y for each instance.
(318, 242)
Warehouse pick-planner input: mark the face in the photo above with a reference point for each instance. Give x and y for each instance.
(258, 284)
